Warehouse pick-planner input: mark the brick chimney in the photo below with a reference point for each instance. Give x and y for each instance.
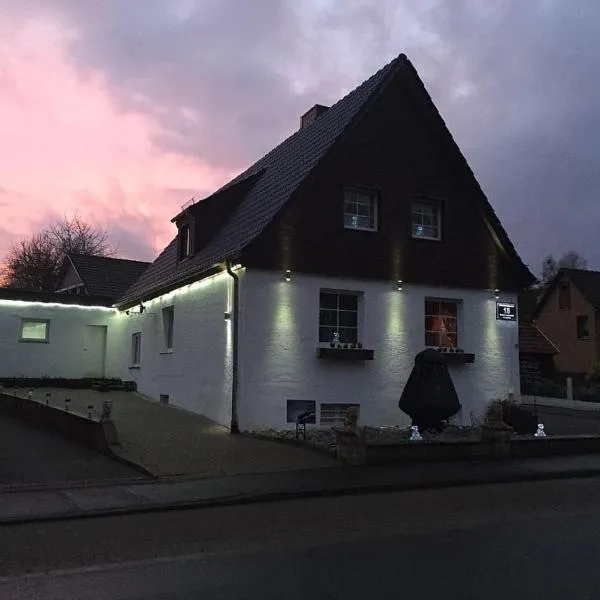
(312, 115)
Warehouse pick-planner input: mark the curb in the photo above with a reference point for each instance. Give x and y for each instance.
(283, 495)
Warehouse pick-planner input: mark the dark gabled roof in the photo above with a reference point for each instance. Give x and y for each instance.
(533, 341)
(46, 297)
(587, 282)
(284, 170)
(285, 167)
(104, 276)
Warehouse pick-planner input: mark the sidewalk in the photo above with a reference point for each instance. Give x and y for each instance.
(90, 501)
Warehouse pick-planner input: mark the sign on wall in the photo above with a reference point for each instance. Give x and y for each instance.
(506, 311)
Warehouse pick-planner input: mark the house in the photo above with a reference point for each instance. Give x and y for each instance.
(307, 283)
(569, 314)
(312, 279)
(99, 276)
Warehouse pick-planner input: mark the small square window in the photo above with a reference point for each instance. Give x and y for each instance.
(168, 314)
(360, 210)
(583, 327)
(338, 317)
(35, 330)
(136, 349)
(426, 220)
(441, 323)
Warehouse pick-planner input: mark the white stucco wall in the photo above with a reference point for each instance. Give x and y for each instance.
(279, 325)
(65, 354)
(197, 373)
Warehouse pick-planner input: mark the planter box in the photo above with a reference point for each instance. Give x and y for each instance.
(345, 353)
(458, 358)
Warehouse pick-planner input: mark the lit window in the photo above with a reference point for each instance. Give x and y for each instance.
(441, 323)
(35, 330)
(360, 210)
(426, 220)
(136, 348)
(168, 314)
(338, 317)
(583, 327)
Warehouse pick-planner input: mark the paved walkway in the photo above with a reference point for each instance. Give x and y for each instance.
(20, 507)
(167, 441)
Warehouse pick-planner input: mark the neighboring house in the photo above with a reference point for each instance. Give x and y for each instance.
(99, 276)
(569, 314)
(366, 227)
(536, 356)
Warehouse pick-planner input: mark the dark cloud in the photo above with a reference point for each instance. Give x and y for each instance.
(517, 83)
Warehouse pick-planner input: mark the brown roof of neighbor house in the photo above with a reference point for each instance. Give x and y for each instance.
(23, 295)
(105, 276)
(279, 174)
(587, 282)
(533, 341)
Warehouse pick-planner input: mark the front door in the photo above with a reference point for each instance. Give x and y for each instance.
(94, 351)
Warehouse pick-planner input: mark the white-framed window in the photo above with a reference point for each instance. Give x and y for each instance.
(426, 219)
(136, 349)
(338, 317)
(360, 210)
(168, 314)
(335, 414)
(35, 330)
(441, 322)
(583, 327)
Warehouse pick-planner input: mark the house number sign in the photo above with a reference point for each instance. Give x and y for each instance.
(506, 311)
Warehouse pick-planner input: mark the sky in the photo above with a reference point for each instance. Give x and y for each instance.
(120, 111)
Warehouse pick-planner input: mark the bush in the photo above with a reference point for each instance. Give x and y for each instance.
(520, 419)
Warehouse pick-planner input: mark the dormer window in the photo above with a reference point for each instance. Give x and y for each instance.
(185, 242)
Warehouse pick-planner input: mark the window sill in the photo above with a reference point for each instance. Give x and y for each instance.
(356, 354)
(426, 238)
(456, 358)
(133, 367)
(169, 351)
(34, 341)
(371, 229)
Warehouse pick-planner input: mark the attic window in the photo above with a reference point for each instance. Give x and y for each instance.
(426, 220)
(360, 210)
(185, 242)
(564, 296)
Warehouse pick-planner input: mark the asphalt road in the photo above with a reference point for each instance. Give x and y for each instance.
(527, 540)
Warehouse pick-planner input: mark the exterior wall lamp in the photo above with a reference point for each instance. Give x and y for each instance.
(399, 285)
(288, 275)
(496, 294)
(227, 316)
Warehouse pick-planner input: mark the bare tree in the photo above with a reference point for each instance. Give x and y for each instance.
(569, 260)
(34, 263)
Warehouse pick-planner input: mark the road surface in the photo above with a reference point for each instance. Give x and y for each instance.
(526, 540)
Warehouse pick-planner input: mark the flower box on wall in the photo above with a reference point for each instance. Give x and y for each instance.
(456, 356)
(345, 353)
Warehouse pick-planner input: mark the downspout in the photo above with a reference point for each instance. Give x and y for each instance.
(235, 309)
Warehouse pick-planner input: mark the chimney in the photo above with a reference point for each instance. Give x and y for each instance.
(312, 115)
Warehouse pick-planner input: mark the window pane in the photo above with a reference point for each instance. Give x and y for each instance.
(326, 334)
(431, 339)
(432, 324)
(348, 318)
(448, 308)
(431, 307)
(328, 300)
(431, 232)
(348, 335)
(348, 301)
(328, 318)
(34, 330)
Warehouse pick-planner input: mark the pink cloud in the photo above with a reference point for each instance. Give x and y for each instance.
(65, 147)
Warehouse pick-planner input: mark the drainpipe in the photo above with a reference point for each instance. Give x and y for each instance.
(234, 427)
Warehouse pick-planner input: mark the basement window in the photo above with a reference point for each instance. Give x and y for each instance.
(35, 330)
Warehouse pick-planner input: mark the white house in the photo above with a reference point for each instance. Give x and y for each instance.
(365, 229)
